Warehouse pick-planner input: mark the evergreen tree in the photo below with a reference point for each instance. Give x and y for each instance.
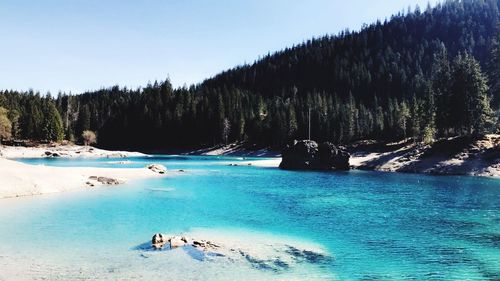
(402, 117)
(441, 85)
(471, 112)
(429, 116)
(415, 118)
(494, 68)
(367, 84)
(494, 71)
(14, 116)
(52, 125)
(226, 128)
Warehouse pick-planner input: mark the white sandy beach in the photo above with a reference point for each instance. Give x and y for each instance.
(269, 163)
(18, 179)
(63, 151)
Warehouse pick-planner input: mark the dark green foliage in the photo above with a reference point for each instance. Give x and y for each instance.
(416, 75)
(471, 112)
(494, 73)
(494, 65)
(52, 127)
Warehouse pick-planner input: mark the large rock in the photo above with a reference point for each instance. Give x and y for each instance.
(300, 155)
(333, 157)
(307, 155)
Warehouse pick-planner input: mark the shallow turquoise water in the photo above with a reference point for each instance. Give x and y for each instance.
(376, 226)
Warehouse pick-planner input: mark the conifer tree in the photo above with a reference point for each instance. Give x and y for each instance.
(441, 85)
(52, 126)
(494, 71)
(471, 113)
(428, 116)
(402, 117)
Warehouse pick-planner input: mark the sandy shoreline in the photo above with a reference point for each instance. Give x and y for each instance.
(63, 151)
(454, 156)
(18, 179)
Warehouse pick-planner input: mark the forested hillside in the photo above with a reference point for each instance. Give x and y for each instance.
(421, 74)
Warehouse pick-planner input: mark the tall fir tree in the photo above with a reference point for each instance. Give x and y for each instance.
(52, 126)
(441, 85)
(471, 113)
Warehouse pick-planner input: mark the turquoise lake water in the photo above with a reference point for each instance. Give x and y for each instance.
(374, 226)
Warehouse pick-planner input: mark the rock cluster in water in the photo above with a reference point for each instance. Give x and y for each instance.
(159, 241)
(308, 155)
(274, 256)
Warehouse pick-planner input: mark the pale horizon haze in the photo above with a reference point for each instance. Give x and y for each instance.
(77, 45)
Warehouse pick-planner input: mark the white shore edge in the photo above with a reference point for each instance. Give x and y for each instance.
(65, 151)
(18, 179)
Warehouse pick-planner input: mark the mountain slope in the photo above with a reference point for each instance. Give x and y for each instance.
(410, 76)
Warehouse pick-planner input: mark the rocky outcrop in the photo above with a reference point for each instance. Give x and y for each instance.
(263, 254)
(333, 157)
(308, 155)
(157, 168)
(472, 156)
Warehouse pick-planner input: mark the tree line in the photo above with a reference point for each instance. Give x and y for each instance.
(420, 74)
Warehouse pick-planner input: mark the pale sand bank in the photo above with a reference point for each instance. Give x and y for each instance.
(269, 163)
(63, 151)
(454, 156)
(235, 149)
(19, 179)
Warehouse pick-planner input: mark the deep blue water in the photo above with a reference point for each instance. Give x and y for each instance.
(376, 226)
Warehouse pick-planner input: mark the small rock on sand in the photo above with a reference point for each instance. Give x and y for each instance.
(157, 168)
(103, 180)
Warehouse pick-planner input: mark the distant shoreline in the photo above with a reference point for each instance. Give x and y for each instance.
(448, 157)
(65, 151)
(454, 156)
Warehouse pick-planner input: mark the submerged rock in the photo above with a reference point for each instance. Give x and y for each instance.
(157, 168)
(308, 155)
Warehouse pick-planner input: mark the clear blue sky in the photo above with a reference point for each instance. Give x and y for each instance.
(77, 45)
